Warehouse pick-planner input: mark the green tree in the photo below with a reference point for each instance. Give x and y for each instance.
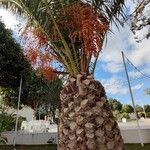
(115, 104)
(139, 108)
(125, 115)
(51, 101)
(127, 109)
(147, 108)
(75, 31)
(35, 88)
(36, 92)
(12, 60)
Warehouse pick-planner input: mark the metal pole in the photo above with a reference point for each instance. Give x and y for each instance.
(16, 125)
(139, 130)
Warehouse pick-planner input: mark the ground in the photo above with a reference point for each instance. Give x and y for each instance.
(53, 147)
(48, 147)
(137, 147)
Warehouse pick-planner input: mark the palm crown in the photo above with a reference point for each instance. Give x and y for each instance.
(72, 31)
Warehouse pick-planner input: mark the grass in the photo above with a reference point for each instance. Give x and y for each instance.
(53, 147)
(39, 147)
(137, 147)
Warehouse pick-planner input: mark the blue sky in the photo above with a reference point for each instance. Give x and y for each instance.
(110, 70)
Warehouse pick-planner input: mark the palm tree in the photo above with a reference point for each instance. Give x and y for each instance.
(74, 31)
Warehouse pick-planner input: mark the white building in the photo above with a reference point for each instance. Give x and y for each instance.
(25, 112)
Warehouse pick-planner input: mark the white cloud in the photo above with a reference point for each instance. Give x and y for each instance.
(140, 55)
(114, 86)
(138, 86)
(136, 74)
(8, 18)
(146, 71)
(133, 74)
(112, 67)
(12, 21)
(111, 55)
(123, 40)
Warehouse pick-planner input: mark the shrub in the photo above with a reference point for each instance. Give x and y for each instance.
(7, 122)
(141, 114)
(125, 115)
(148, 114)
(117, 115)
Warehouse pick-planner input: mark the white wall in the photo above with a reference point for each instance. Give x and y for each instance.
(129, 133)
(129, 136)
(132, 136)
(30, 138)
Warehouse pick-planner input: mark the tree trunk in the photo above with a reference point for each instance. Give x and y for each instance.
(86, 120)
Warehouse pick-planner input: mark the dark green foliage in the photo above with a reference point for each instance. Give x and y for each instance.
(148, 114)
(32, 89)
(125, 115)
(50, 100)
(147, 108)
(112, 9)
(12, 60)
(127, 109)
(141, 114)
(7, 122)
(115, 104)
(36, 91)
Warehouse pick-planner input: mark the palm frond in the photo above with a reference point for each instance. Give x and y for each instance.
(111, 9)
(48, 15)
(37, 15)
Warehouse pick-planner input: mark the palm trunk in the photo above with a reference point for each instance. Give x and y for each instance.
(86, 120)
